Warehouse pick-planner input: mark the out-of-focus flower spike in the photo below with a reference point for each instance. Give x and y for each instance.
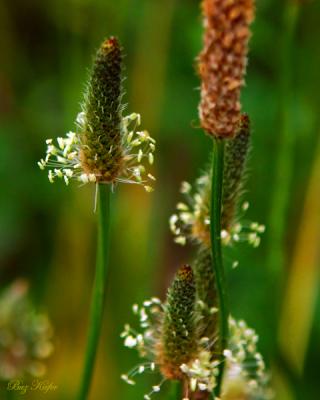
(236, 154)
(206, 294)
(25, 335)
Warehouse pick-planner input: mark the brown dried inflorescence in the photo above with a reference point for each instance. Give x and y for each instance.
(222, 63)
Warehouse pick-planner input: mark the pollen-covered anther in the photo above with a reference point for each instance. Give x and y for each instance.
(127, 379)
(202, 372)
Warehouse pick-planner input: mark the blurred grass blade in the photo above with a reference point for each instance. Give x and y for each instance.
(303, 282)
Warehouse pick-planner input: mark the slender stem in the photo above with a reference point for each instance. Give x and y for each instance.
(175, 390)
(215, 231)
(98, 295)
(10, 394)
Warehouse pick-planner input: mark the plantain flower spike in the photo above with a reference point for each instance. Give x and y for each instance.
(176, 342)
(178, 336)
(222, 63)
(107, 147)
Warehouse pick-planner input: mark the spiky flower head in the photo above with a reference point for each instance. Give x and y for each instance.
(178, 344)
(192, 220)
(107, 147)
(25, 335)
(222, 63)
(245, 372)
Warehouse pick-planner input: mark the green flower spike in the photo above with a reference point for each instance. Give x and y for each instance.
(107, 148)
(161, 350)
(236, 152)
(178, 336)
(102, 153)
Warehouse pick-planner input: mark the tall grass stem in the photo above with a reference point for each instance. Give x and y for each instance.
(215, 231)
(175, 390)
(99, 289)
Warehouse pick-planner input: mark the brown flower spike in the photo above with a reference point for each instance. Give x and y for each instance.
(222, 63)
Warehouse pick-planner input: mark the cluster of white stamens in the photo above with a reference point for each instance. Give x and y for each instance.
(137, 146)
(192, 219)
(150, 315)
(64, 158)
(244, 363)
(243, 232)
(202, 372)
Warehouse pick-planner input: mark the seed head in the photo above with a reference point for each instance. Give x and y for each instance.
(178, 335)
(102, 153)
(222, 63)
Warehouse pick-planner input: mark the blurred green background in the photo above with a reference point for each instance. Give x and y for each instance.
(47, 232)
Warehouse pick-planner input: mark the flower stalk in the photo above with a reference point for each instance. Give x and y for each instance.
(99, 289)
(175, 390)
(215, 232)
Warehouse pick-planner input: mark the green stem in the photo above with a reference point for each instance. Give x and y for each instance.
(215, 231)
(10, 394)
(99, 289)
(175, 390)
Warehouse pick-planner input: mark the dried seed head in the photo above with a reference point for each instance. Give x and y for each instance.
(178, 335)
(222, 63)
(102, 153)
